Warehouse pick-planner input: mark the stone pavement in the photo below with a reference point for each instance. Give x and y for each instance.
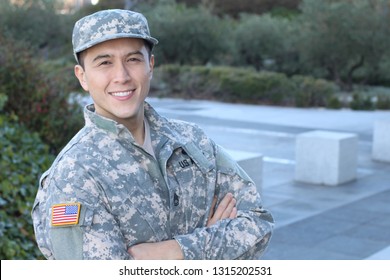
(349, 221)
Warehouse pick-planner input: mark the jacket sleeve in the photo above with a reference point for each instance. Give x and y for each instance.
(245, 237)
(96, 235)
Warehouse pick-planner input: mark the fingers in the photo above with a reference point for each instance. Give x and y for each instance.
(233, 214)
(226, 209)
(213, 207)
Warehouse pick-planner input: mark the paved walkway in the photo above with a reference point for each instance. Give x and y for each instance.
(350, 221)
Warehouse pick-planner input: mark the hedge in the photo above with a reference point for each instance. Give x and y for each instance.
(232, 84)
(38, 93)
(23, 157)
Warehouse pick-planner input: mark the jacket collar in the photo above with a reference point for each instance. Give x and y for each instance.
(160, 126)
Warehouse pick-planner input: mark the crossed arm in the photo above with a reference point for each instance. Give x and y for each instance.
(170, 249)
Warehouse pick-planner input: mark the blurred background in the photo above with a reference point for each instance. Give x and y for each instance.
(291, 53)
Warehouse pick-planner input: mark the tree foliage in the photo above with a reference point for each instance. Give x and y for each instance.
(262, 41)
(187, 35)
(38, 24)
(235, 8)
(343, 36)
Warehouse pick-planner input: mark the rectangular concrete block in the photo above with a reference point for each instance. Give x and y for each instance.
(324, 157)
(381, 141)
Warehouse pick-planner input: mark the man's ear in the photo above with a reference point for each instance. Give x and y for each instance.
(80, 74)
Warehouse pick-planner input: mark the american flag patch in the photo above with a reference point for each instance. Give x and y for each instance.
(65, 214)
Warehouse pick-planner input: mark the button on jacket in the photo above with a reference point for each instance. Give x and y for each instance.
(127, 196)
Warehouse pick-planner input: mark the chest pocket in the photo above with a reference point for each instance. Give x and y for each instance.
(188, 164)
(189, 176)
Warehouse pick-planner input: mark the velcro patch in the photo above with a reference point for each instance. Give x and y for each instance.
(65, 214)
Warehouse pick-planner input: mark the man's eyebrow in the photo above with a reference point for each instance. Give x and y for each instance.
(102, 56)
(134, 53)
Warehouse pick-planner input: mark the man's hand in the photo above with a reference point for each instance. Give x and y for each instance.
(226, 209)
(164, 250)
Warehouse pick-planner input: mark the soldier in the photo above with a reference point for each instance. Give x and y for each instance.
(133, 184)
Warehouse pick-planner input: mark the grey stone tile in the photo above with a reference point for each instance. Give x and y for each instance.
(349, 214)
(370, 232)
(381, 220)
(357, 247)
(283, 251)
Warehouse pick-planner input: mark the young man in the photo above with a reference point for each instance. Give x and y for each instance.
(132, 184)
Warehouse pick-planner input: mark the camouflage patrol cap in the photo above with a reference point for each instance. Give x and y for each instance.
(108, 25)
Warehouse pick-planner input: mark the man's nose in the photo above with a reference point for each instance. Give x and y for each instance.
(122, 73)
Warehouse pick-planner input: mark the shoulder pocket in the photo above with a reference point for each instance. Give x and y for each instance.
(226, 164)
(198, 157)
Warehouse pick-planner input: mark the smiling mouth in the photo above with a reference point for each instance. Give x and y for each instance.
(122, 93)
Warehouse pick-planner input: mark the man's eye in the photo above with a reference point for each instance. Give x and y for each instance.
(133, 59)
(104, 63)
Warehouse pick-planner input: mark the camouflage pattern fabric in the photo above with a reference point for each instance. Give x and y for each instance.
(129, 197)
(108, 25)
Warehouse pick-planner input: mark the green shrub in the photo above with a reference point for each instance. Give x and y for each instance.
(383, 102)
(311, 92)
(245, 85)
(334, 103)
(361, 101)
(241, 85)
(23, 157)
(38, 96)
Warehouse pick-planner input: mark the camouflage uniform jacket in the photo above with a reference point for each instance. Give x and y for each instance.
(128, 197)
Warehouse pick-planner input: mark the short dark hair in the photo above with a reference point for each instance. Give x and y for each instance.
(81, 55)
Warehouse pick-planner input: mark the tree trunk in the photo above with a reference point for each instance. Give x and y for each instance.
(335, 76)
(352, 70)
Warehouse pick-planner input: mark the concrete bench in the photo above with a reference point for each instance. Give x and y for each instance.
(326, 158)
(381, 141)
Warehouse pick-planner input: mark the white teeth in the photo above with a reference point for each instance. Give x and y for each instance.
(121, 94)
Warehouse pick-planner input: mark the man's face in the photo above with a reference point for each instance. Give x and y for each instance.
(117, 74)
